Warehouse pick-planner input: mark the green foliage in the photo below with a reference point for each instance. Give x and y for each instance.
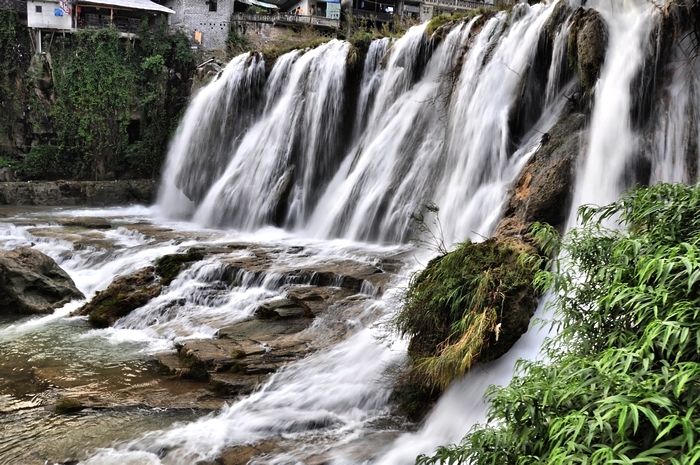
(42, 162)
(256, 10)
(94, 88)
(623, 378)
(14, 60)
(454, 307)
(237, 43)
(116, 103)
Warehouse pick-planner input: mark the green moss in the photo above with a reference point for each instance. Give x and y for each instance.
(169, 266)
(437, 22)
(67, 405)
(454, 308)
(196, 370)
(107, 310)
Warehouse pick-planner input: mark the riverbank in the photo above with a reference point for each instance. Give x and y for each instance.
(78, 193)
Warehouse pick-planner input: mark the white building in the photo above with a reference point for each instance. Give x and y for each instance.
(70, 15)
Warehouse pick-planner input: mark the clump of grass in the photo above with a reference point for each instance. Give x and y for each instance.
(454, 308)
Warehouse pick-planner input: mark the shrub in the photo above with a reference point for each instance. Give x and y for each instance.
(621, 384)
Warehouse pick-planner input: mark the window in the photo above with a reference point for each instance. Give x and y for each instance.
(38, 8)
(212, 5)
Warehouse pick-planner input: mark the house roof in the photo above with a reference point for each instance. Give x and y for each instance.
(259, 3)
(146, 5)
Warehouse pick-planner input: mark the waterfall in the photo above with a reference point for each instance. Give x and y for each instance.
(449, 120)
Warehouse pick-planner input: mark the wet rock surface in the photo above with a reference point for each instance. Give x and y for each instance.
(124, 295)
(542, 191)
(32, 282)
(588, 42)
(78, 193)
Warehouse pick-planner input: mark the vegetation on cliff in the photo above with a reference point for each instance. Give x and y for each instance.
(621, 383)
(468, 305)
(97, 106)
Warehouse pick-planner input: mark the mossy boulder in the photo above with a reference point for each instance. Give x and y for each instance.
(121, 297)
(67, 405)
(169, 266)
(470, 305)
(588, 42)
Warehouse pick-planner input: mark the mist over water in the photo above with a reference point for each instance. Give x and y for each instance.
(315, 156)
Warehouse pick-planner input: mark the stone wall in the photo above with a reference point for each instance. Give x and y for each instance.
(193, 16)
(78, 193)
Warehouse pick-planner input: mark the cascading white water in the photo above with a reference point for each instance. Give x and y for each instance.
(431, 123)
(613, 143)
(675, 143)
(289, 152)
(210, 132)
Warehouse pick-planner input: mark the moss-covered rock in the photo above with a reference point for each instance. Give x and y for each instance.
(169, 266)
(124, 295)
(66, 405)
(469, 305)
(588, 42)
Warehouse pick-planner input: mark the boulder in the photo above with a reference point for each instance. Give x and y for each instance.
(32, 282)
(124, 295)
(543, 189)
(588, 42)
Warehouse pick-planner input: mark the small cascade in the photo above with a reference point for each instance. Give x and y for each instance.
(287, 157)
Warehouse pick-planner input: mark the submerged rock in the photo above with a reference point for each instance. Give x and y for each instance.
(32, 282)
(124, 295)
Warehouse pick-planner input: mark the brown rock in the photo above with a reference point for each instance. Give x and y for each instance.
(32, 282)
(543, 189)
(124, 295)
(588, 42)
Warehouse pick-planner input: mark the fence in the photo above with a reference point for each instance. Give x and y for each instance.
(286, 18)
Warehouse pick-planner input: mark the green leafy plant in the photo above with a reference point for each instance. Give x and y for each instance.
(622, 380)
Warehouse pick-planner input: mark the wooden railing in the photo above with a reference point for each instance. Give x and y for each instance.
(460, 4)
(286, 18)
(372, 15)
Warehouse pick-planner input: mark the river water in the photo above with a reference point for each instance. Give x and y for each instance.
(271, 163)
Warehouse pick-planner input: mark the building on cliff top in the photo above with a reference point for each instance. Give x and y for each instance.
(67, 16)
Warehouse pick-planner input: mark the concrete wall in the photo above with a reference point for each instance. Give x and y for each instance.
(194, 15)
(47, 19)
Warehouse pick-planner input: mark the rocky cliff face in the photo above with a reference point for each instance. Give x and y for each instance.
(78, 193)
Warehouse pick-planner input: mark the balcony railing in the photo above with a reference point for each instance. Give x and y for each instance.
(286, 18)
(459, 4)
(372, 15)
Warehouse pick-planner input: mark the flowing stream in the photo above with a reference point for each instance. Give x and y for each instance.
(319, 158)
